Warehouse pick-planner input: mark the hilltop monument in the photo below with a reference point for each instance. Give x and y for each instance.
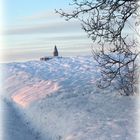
(55, 52)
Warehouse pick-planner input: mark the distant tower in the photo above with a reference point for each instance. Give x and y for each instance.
(55, 52)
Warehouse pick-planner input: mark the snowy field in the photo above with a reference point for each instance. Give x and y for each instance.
(58, 100)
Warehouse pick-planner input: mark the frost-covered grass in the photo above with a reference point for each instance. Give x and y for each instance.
(60, 101)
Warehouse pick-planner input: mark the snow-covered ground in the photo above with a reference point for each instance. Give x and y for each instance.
(58, 100)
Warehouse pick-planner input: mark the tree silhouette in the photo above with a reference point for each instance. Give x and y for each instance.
(107, 22)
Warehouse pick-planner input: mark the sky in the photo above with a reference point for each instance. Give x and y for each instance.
(31, 29)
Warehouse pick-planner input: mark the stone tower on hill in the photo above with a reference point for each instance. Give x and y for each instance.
(55, 52)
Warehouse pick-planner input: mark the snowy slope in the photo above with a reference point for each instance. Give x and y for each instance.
(14, 126)
(60, 101)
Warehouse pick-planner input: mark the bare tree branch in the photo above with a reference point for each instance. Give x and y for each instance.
(105, 21)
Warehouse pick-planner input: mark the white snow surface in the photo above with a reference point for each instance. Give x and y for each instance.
(59, 100)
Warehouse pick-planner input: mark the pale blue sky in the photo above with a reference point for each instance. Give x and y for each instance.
(32, 29)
